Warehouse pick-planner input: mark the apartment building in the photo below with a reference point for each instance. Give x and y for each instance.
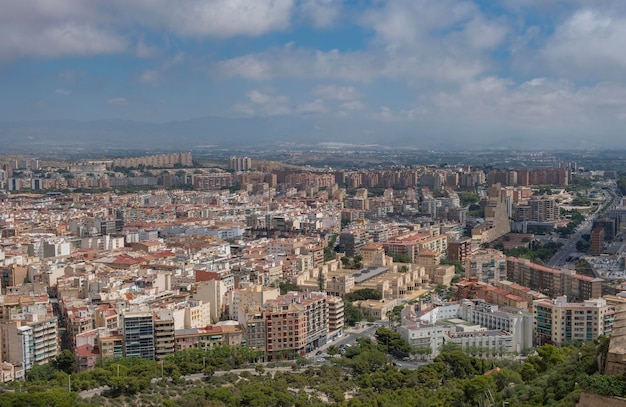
(553, 282)
(485, 343)
(164, 342)
(31, 341)
(517, 322)
(486, 265)
(111, 345)
(559, 321)
(335, 317)
(428, 338)
(138, 333)
(459, 250)
(252, 295)
(315, 307)
(286, 330)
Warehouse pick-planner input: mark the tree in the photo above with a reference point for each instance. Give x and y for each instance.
(65, 362)
(286, 286)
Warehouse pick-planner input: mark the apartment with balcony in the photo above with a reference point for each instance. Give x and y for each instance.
(553, 282)
(138, 333)
(559, 322)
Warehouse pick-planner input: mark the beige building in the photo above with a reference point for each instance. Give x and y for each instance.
(558, 321)
(252, 295)
(335, 316)
(376, 309)
(212, 292)
(163, 334)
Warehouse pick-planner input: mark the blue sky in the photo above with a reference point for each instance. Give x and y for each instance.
(548, 69)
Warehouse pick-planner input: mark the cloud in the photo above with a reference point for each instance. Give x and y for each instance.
(57, 28)
(353, 105)
(143, 50)
(64, 92)
(316, 106)
(410, 23)
(322, 13)
(336, 92)
(57, 40)
(263, 103)
(588, 44)
(118, 101)
(258, 97)
(216, 18)
(153, 75)
(348, 66)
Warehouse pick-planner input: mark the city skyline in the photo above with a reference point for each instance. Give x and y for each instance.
(404, 73)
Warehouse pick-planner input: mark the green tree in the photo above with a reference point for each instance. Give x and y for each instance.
(65, 362)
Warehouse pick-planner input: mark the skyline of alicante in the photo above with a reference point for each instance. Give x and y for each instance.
(445, 74)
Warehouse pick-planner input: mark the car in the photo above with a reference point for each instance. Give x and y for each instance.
(319, 352)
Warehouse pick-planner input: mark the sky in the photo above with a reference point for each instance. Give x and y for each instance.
(549, 71)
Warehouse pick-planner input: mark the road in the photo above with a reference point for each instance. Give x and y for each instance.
(560, 258)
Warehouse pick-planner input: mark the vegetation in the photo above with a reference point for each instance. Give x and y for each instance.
(353, 314)
(355, 263)
(467, 198)
(286, 286)
(576, 218)
(401, 258)
(329, 250)
(537, 253)
(363, 294)
(364, 376)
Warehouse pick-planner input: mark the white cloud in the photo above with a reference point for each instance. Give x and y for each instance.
(217, 18)
(349, 66)
(410, 22)
(481, 33)
(336, 92)
(589, 43)
(323, 13)
(63, 92)
(118, 101)
(259, 97)
(316, 106)
(56, 28)
(263, 103)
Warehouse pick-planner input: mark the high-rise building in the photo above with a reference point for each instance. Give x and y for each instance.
(164, 342)
(597, 241)
(31, 341)
(239, 163)
(138, 332)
